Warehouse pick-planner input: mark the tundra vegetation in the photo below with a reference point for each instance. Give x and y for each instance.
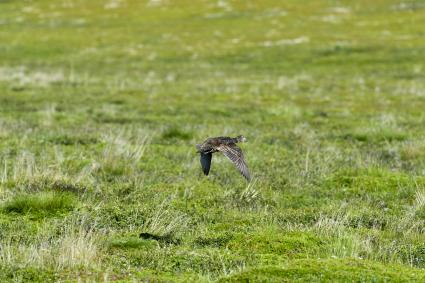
(102, 102)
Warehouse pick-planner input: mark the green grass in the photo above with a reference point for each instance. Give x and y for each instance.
(347, 270)
(102, 103)
(42, 203)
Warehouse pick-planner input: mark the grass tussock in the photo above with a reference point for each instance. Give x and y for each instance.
(165, 222)
(75, 247)
(40, 203)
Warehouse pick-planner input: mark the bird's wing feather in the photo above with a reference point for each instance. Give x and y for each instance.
(206, 162)
(234, 153)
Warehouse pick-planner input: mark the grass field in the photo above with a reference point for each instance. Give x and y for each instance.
(102, 102)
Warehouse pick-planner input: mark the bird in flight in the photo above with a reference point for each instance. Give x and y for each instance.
(228, 147)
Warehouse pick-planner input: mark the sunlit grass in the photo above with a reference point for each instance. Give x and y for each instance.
(102, 103)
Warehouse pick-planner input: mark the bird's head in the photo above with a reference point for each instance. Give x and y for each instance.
(241, 138)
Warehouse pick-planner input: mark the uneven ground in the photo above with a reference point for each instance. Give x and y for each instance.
(101, 104)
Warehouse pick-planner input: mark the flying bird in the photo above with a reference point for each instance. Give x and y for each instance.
(228, 147)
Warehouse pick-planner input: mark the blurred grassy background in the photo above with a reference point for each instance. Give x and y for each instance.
(101, 103)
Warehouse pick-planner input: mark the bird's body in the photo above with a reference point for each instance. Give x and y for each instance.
(228, 147)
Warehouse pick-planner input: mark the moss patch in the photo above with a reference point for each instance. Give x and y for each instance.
(329, 270)
(291, 244)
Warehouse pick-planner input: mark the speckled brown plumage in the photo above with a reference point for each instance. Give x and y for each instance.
(228, 147)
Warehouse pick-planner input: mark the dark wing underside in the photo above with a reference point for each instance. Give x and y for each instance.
(234, 153)
(206, 162)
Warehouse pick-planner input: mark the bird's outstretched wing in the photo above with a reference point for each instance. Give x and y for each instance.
(206, 162)
(234, 153)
